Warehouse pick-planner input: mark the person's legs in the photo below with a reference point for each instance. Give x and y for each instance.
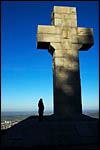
(41, 115)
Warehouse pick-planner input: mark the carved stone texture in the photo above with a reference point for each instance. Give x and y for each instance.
(64, 39)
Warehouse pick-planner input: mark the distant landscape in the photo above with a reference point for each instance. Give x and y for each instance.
(94, 113)
(18, 115)
(22, 115)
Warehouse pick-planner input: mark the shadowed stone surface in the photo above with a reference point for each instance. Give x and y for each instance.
(64, 39)
(53, 132)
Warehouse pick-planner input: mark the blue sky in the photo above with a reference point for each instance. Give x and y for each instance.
(26, 72)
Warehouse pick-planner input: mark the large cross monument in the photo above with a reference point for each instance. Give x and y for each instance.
(64, 39)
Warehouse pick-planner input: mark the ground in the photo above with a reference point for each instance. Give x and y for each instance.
(71, 132)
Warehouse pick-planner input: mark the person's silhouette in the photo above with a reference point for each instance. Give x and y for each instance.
(41, 109)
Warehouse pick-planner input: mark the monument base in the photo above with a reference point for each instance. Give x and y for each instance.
(78, 132)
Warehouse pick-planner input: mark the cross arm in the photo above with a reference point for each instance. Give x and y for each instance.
(47, 34)
(85, 38)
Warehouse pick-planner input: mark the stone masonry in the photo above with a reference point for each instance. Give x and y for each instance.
(64, 39)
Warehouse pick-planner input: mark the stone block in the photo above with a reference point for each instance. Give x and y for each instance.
(64, 10)
(66, 44)
(85, 31)
(59, 78)
(75, 54)
(71, 55)
(67, 61)
(73, 16)
(71, 66)
(69, 52)
(83, 39)
(86, 42)
(49, 29)
(71, 90)
(61, 9)
(57, 22)
(58, 61)
(58, 15)
(57, 46)
(72, 10)
(73, 23)
(75, 66)
(62, 53)
(71, 31)
(72, 76)
(65, 34)
(64, 16)
(69, 16)
(60, 75)
(48, 38)
(68, 66)
(68, 90)
(76, 46)
(69, 23)
(74, 39)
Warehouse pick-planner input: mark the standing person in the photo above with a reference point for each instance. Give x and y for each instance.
(41, 109)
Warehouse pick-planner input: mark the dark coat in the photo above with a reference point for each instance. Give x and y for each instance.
(41, 106)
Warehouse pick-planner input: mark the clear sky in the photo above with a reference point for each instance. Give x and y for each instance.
(26, 72)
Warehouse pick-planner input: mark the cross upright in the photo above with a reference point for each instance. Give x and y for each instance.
(64, 39)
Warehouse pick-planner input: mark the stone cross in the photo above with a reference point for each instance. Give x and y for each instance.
(64, 39)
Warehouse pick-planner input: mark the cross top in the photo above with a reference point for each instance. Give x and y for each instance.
(64, 30)
(64, 39)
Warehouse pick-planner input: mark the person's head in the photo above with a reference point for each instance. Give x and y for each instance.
(41, 100)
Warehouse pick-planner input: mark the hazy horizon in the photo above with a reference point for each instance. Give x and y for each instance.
(96, 110)
(21, 115)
